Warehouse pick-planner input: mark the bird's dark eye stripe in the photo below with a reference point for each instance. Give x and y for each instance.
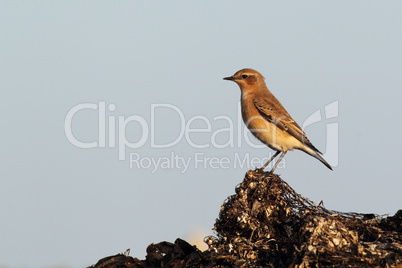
(244, 76)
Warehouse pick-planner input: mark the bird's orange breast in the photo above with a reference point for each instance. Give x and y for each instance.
(264, 130)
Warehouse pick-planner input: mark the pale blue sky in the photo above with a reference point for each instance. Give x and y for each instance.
(62, 205)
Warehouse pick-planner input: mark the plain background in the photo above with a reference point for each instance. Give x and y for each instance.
(62, 206)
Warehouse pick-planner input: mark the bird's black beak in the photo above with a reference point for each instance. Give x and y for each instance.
(230, 78)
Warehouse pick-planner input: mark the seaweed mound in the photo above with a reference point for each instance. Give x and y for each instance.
(267, 224)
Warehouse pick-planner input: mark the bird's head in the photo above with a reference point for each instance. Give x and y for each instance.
(247, 79)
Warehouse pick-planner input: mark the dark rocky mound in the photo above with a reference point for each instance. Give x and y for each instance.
(267, 224)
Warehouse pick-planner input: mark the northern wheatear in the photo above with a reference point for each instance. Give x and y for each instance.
(266, 118)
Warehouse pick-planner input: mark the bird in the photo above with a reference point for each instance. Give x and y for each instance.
(268, 120)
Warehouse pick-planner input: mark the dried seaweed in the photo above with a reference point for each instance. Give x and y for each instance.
(267, 224)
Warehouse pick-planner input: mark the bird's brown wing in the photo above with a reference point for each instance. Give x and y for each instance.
(282, 120)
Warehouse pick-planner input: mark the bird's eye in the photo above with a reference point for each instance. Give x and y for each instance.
(244, 76)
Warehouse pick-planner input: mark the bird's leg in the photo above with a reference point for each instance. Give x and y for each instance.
(277, 162)
(270, 160)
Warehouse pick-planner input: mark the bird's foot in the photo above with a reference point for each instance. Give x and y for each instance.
(259, 170)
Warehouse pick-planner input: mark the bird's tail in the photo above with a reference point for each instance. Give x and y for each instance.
(317, 155)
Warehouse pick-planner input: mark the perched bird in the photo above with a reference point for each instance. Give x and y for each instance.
(266, 118)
